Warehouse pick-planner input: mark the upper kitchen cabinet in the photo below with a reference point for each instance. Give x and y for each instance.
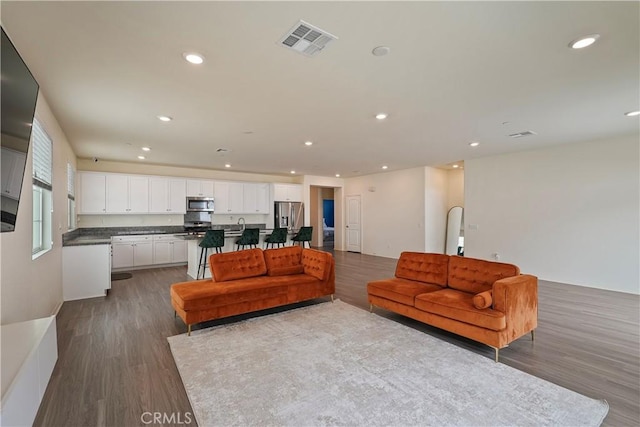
(229, 197)
(167, 195)
(256, 198)
(287, 192)
(200, 188)
(127, 194)
(93, 193)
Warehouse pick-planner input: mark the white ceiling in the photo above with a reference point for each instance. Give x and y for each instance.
(456, 73)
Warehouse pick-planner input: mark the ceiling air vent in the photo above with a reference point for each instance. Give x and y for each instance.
(306, 39)
(521, 134)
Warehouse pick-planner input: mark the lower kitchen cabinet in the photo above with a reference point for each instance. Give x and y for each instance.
(147, 250)
(132, 251)
(169, 249)
(86, 271)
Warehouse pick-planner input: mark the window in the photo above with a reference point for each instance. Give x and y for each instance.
(42, 197)
(71, 197)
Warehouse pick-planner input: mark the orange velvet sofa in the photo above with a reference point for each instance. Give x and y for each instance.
(252, 280)
(489, 302)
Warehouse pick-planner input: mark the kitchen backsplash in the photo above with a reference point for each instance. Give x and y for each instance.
(90, 221)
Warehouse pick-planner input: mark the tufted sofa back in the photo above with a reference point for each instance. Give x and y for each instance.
(428, 268)
(283, 261)
(477, 275)
(317, 264)
(237, 265)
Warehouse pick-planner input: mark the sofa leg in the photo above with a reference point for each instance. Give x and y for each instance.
(370, 308)
(331, 297)
(533, 335)
(174, 314)
(497, 353)
(188, 330)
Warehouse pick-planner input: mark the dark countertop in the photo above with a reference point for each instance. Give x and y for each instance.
(102, 235)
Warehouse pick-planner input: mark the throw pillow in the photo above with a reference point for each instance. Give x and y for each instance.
(482, 300)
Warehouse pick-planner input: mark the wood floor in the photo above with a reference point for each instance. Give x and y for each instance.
(115, 367)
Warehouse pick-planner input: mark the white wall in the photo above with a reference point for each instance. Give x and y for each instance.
(31, 289)
(455, 188)
(436, 195)
(393, 213)
(567, 214)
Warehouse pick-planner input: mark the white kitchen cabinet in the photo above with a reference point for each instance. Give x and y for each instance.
(167, 195)
(229, 197)
(287, 192)
(168, 249)
(92, 193)
(131, 251)
(13, 163)
(86, 271)
(256, 198)
(200, 188)
(127, 194)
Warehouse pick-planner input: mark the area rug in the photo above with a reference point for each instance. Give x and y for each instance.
(335, 364)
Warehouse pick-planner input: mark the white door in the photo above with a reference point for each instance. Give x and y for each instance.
(177, 196)
(353, 231)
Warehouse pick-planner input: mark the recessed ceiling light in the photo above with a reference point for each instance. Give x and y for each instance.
(585, 41)
(194, 58)
(141, 157)
(337, 175)
(381, 50)
(146, 149)
(227, 165)
(632, 113)
(293, 172)
(456, 166)
(165, 118)
(308, 143)
(474, 144)
(381, 116)
(385, 167)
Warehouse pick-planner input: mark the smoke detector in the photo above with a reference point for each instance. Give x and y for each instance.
(306, 39)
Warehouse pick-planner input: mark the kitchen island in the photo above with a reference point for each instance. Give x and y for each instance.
(230, 237)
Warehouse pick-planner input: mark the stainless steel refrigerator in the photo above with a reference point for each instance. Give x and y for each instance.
(289, 215)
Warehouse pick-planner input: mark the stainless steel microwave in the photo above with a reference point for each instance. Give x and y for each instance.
(199, 204)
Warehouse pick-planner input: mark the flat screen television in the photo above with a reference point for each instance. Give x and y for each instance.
(19, 93)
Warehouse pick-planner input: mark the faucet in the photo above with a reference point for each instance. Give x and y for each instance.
(243, 223)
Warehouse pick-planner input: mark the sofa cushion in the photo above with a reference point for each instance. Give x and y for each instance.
(400, 290)
(237, 265)
(477, 275)
(317, 263)
(284, 261)
(285, 271)
(423, 267)
(458, 306)
(482, 300)
(203, 294)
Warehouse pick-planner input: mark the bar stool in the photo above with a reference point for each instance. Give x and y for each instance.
(249, 237)
(277, 237)
(304, 235)
(213, 239)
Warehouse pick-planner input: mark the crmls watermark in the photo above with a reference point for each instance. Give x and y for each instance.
(166, 418)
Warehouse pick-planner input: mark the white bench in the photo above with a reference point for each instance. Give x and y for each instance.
(29, 354)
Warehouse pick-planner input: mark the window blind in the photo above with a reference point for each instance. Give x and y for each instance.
(42, 157)
(71, 182)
